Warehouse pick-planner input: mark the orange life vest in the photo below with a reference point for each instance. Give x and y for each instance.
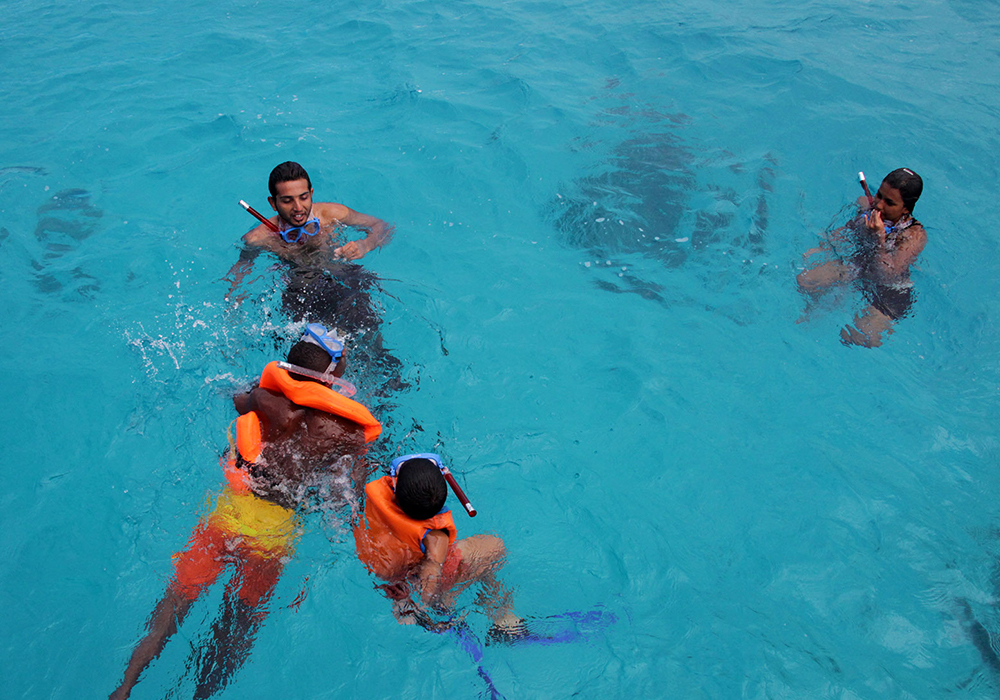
(389, 542)
(309, 394)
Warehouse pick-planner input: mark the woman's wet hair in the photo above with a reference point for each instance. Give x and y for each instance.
(908, 183)
(309, 356)
(420, 488)
(286, 172)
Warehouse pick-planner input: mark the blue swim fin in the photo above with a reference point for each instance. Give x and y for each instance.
(554, 629)
(468, 642)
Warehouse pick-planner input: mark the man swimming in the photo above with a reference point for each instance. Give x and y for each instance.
(884, 242)
(322, 283)
(293, 435)
(309, 237)
(309, 232)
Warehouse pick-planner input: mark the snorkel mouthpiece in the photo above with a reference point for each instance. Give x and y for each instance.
(436, 458)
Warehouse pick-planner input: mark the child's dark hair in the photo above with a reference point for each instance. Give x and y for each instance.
(286, 172)
(420, 488)
(309, 356)
(909, 185)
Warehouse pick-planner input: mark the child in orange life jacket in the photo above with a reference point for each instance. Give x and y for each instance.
(409, 539)
(293, 429)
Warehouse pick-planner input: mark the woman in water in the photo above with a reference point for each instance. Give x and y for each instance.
(884, 241)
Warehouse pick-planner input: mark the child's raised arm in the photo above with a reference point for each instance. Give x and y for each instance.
(429, 569)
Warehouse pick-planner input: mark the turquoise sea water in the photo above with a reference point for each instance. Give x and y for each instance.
(600, 212)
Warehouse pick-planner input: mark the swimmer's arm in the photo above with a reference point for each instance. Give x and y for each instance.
(429, 569)
(812, 251)
(379, 232)
(838, 235)
(278, 416)
(895, 263)
(243, 264)
(360, 471)
(244, 403)
(826, 243)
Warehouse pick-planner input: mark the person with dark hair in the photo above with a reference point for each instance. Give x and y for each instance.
(289, 171)
(294, 434)
(422, 490)
(876, 250)
(322, 283)
(409, 540)
(309, 231)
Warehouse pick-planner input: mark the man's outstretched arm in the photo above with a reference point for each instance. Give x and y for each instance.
(242, 266)
(379, 233)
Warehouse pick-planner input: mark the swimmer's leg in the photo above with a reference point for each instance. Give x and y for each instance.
(818, 279)
(814, 282)
(482, 558)
(868, 329)
(196, 568)
(233, 634)
(163, 623)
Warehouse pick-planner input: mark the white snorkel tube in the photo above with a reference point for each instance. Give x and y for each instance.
(341, 386)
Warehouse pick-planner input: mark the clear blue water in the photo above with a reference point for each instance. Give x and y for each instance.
(768, 513)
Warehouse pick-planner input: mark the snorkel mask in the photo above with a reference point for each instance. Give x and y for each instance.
(317, 334)
(295, 233)
(430, 456)
(328, 340)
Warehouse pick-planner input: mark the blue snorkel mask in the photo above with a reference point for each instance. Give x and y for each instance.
(436, 458)
(328, 340)
(295, 233)
(317, 334)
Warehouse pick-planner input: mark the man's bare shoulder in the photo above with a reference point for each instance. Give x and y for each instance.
(329, 212)
(259, 237)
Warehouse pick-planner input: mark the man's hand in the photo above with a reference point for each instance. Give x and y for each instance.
(236, 300)
(378, 232)
(353, 250)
